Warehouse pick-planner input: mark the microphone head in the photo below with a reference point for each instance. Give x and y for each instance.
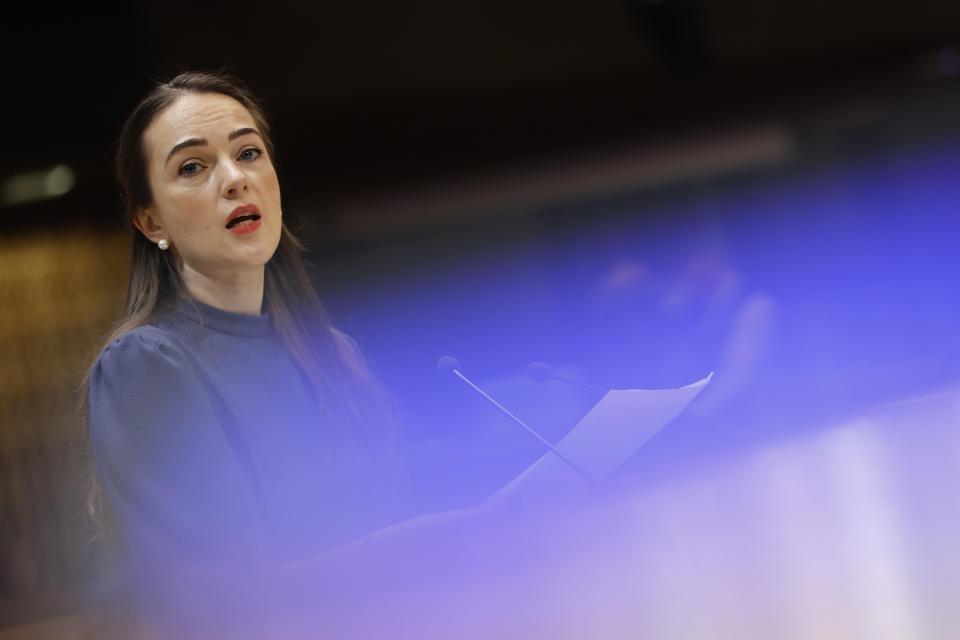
(539, 371)
(446, 367)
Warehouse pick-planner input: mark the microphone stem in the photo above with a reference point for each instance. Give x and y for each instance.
(536, 435)
(577, 383)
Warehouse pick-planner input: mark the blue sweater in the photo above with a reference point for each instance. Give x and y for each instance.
(205, 437)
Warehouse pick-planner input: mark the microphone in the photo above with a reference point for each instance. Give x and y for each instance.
(449, 368)
(541, 372)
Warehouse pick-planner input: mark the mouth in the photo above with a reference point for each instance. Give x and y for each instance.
(244, 218)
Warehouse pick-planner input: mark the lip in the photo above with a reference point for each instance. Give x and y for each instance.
(243, 210)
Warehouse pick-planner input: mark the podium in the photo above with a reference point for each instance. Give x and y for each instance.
(846, 532)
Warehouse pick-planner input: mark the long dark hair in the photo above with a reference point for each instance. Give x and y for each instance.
(354, 411)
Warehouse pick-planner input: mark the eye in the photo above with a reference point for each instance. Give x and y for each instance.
(250, 153)
(189, 169)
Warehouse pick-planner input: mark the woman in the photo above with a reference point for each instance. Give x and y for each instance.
(237, 436)
(229, 423)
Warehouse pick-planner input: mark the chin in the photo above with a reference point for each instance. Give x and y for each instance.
(263, 248)
(262, 257)
(271, 250)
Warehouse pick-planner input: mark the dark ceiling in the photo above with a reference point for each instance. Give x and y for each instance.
(371, 94)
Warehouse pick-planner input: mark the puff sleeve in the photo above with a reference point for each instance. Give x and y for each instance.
(164, 457)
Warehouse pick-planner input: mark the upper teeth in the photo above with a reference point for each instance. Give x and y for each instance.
(243, 219)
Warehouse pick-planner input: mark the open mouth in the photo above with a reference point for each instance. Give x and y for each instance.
(243, 220)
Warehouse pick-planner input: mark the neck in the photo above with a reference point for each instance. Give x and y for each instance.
(238, 292)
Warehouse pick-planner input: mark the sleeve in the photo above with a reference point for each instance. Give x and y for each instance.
(166, 465)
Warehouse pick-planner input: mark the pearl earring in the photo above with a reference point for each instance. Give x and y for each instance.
(163, 244)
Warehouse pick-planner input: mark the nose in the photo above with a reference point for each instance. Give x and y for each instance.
(234, 180)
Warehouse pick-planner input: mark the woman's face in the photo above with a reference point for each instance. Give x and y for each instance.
(216, 197)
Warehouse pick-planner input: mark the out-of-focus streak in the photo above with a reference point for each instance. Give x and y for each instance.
(51, 183)
(880, 589)
(589, 175)
(786, 501)
(842, 533)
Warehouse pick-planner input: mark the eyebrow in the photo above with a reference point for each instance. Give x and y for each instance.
(199, 142)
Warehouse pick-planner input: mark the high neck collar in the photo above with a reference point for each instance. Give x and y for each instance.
(224, 321)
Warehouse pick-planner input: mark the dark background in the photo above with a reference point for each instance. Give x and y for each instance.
(638, 192)
(370, 95)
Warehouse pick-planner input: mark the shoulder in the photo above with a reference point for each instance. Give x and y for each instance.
(350, 351)
(345, 342)
(140, 352)
(144, 382)
(147, 358)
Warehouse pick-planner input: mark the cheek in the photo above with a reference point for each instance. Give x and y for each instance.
(269, 181)
(190, 212)
(273, 184)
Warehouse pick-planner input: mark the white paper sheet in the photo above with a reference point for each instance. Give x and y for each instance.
(611, 432)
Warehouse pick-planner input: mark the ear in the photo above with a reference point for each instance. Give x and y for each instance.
(149, 225)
